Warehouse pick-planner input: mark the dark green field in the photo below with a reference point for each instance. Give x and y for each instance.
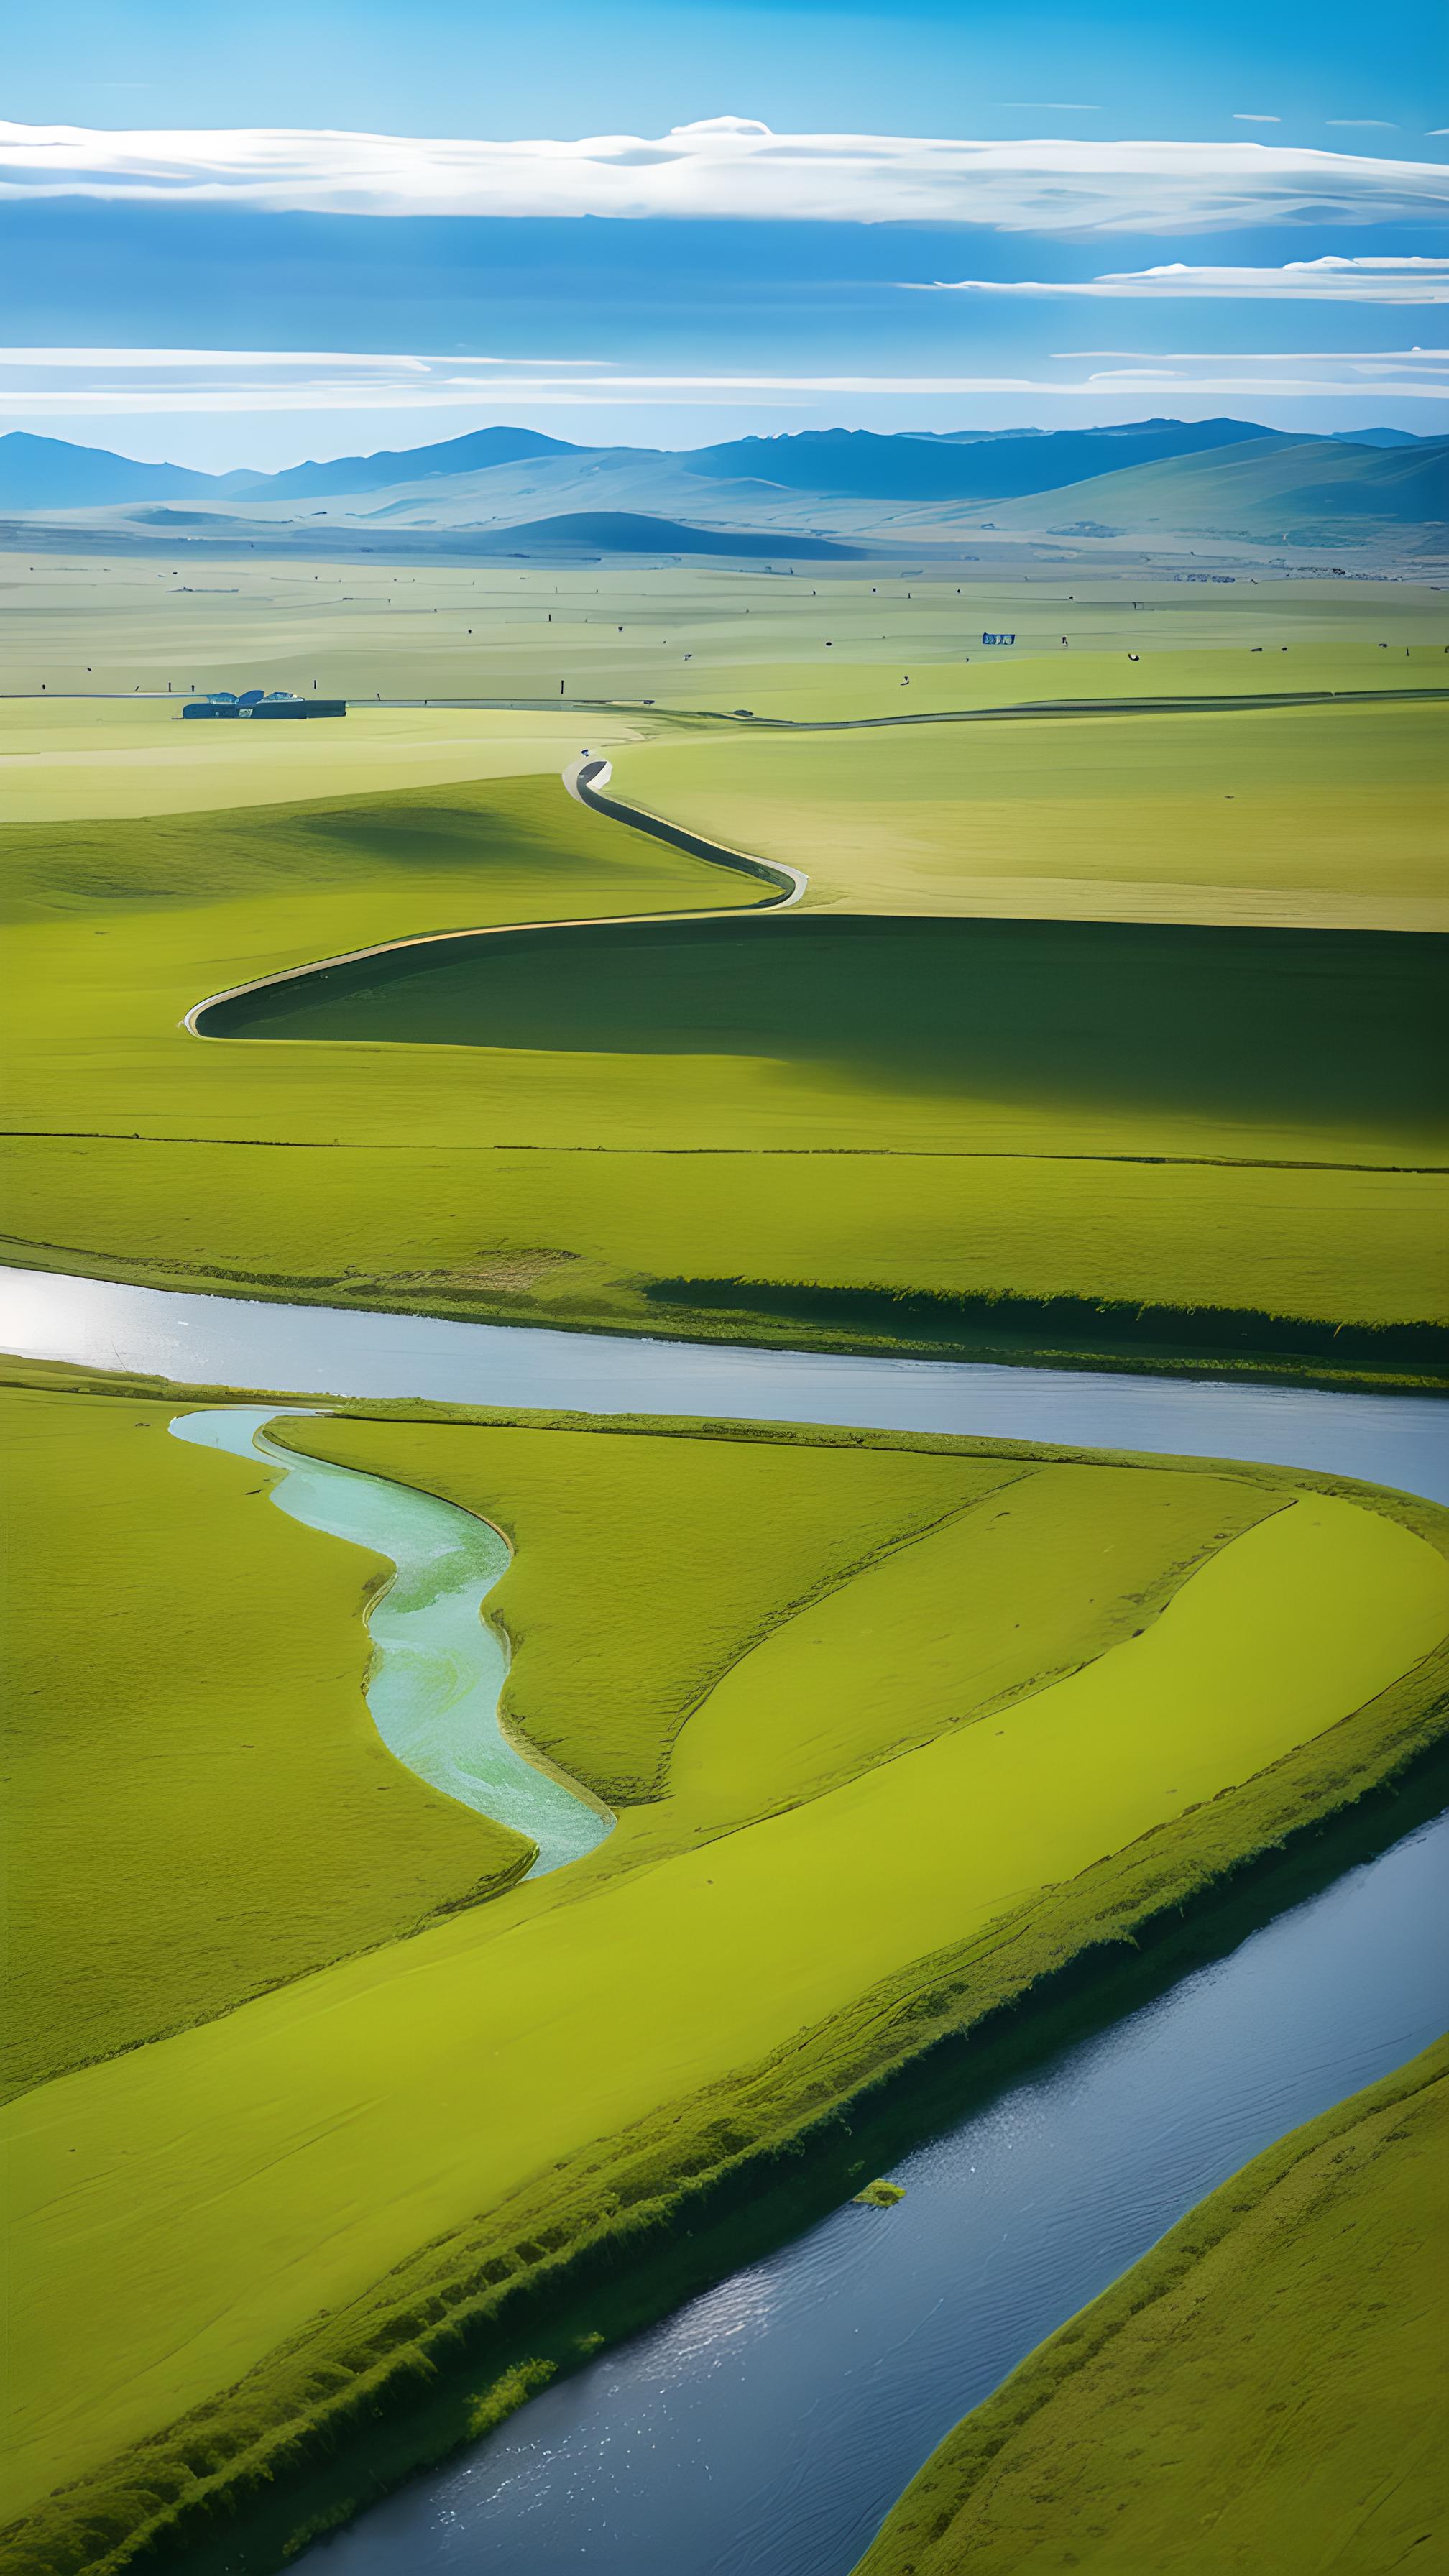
(1235, 1025)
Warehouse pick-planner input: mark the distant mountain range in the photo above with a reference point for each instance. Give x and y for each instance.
(1225, 478)
(859, 465)
(949, 465)
(51, 474)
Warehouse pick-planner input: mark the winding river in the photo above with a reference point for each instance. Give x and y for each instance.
(770, 2424)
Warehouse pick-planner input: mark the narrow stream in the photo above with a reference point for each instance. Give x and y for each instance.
(439, 1667)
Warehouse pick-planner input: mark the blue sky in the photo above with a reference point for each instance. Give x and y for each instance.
(227, 271)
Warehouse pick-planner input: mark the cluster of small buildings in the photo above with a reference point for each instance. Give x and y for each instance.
(275, 703)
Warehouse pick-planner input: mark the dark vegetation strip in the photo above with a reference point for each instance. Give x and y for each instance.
(1087, 1323)
(634, 1308)
(736, 1153)
(1027, 708)
(1037, 709)
(458, 2336)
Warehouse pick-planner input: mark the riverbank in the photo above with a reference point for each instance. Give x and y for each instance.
(1266, 2388)
(481, 2283)
(1183, 1344)
(784, 2406)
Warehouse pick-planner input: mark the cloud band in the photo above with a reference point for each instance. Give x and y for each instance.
(731, 168)
(1317, 281)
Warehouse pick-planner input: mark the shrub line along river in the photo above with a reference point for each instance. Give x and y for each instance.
(771, 2423)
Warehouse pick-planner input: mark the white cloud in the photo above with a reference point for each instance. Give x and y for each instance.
(142, 359)
(1362, 124)
(1319, 281)
(1370, 362)
(102, 383)
(731, 167)
(1240, 119)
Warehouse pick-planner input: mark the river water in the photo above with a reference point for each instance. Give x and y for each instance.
(767, 2427)
(318, 1350)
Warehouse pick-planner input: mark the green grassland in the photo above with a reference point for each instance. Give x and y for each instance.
(827, 643)
(85, 760)
(1322, 816)
(810, 1532)
(1265, 2389)
(1017, 1111)
(865, 1797)
(185, 1736)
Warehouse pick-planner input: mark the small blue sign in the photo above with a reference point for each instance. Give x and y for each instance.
(998, 639)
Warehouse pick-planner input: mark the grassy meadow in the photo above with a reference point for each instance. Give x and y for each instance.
(1266, 2388)
(92, 760)
(822, 643)
(869, 1787)
(1106, 1114)
(1322, 817)
(176, 1762)
(1106, 1037)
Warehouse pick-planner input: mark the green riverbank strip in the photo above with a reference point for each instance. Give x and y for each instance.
(1266, 2389)
(868, 1794)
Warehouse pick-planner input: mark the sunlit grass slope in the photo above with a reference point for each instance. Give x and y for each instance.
(1266, 2389)
(84, 760)
(897, 1794)
(197, 1805)
(712, 1547)
(1119, 1134)
(1333, 816)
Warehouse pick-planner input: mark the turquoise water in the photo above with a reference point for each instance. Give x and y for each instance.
(438, 1667)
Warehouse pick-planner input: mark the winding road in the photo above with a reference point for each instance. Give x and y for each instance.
(583, 779)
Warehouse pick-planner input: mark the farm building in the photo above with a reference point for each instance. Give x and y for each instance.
(279, 703)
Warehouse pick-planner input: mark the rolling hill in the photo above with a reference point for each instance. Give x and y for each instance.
(632, 532)
(1273, 491)
(958, 465)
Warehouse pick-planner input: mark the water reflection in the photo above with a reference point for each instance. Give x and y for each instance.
(771, 2423)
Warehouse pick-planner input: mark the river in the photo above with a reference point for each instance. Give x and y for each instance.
(766, 2427)
(255, 1344)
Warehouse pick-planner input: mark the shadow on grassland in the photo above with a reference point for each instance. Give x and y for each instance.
(1313, 1029)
